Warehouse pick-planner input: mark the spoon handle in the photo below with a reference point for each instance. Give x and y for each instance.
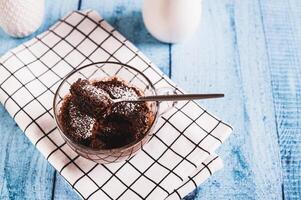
(178, 97)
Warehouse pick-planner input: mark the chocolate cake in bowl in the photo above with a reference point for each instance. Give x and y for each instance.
(90, 118)
(96, 127)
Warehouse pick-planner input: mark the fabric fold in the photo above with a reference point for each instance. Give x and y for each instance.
(178, 158)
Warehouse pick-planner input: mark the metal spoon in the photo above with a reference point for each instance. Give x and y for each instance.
(174, 97)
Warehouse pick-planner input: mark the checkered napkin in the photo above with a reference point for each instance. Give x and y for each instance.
(178, 158)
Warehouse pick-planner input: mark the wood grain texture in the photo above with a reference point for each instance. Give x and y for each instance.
(229, 56)
(249, 50)
(281, 22)
(62, 190)
(24, 173)
(126, 17)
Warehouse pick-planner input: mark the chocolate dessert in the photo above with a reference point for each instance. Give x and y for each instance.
(89, 117)
(93, 101)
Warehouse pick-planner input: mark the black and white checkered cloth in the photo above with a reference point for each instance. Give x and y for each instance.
(178, 158)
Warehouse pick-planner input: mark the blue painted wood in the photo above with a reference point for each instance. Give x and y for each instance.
(126, 17)
(228, 55)
(24, 173)
(282, 37)
(62, 190)
(250, 50)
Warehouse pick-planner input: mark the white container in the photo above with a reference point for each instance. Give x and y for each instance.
(20, 18)
(171, 21)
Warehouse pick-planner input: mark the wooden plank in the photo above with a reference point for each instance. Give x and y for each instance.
(281, 24)
(125, 16)
(62, 190)
(228, 54)
(24, 173)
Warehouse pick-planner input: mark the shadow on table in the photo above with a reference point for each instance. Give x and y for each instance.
(131, 25)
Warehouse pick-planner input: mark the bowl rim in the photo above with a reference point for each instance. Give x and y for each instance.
(90, 150)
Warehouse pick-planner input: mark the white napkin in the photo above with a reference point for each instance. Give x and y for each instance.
(178, 158)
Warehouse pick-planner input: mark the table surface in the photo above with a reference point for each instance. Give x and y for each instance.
(249, 50)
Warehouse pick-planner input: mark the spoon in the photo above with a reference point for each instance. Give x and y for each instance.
(97, 101)
(173, 97)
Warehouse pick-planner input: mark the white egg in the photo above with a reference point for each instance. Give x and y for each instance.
(171, 21)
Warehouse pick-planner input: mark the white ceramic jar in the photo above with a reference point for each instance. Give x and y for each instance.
(171, 21)
(20, 18)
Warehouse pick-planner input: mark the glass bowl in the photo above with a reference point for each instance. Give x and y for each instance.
(100, 71)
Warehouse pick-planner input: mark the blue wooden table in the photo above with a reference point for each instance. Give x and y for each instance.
(249, 49)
